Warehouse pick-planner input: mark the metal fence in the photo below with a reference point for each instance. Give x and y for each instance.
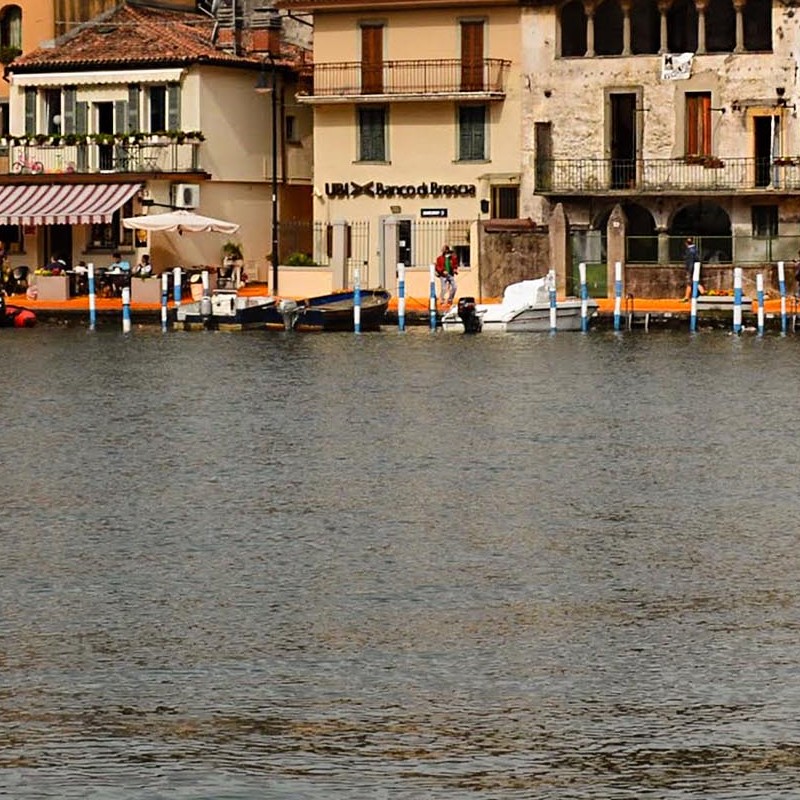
(735, 249)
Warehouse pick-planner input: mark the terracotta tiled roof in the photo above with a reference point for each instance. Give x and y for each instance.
(133, 35)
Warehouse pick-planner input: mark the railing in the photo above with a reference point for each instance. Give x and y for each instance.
(420, 77)
(32, 159)
(695, 174)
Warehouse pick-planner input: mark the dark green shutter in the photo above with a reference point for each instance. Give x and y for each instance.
(174, 107)
(133, 107)
(82, 117)
(120, 116)
(30, 110)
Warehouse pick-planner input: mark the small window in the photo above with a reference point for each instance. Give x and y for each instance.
(292, 132)
(472, 133)
(505, 202)
(372, 134)
(765, 221)
(11, 31)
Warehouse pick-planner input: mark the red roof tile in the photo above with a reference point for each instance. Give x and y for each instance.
(131, 34)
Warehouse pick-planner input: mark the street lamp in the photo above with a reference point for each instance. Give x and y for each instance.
(262, 88)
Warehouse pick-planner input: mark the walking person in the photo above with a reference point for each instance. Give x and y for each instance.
(691, 256)
(447, 269)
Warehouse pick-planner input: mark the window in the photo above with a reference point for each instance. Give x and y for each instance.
(111, 235)
(51, 107)
(4, 130)
(11, 236)
(11, 31)
(505, 202)
(698, 123)
(765, 221)
(158, 108)
(472, 133)
(372, 134)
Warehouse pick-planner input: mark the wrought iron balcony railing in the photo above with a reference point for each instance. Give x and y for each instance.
(33, 159)
(425, 78)
(664, 175)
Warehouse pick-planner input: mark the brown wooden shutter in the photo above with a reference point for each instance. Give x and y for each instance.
(471, 56)
(372, 59)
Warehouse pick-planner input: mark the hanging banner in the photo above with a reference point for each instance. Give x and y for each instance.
(676, 66)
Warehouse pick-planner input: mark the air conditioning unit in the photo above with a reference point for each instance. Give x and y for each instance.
(185, 195)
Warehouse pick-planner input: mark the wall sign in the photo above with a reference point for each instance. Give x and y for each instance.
(390, 190)
(433, 212)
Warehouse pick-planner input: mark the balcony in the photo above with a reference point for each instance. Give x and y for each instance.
(424, 79)
(117, 156)
(690, 175)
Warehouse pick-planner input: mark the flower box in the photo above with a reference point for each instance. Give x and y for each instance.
(146, 290)
(53, 287)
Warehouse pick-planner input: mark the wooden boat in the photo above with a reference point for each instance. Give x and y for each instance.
(226, 310)
(333, 312)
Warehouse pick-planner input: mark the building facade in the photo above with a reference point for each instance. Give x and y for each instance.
(417, 131)
(105, 114)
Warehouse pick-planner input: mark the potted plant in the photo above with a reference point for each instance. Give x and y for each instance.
(232, 253)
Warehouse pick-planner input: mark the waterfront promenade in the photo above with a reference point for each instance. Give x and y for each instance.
(77, 308)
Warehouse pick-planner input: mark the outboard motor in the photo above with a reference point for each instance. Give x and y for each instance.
(468, 315)
(288, 309)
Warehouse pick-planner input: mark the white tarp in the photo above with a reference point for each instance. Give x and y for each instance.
(676, 66)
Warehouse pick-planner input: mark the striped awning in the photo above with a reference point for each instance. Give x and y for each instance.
(63, 203)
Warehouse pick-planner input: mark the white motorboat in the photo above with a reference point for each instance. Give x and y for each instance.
(224, 309)
(525, 307)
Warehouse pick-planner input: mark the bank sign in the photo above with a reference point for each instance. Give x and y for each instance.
(389, 190)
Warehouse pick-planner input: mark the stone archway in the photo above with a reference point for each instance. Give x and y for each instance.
(710, 225)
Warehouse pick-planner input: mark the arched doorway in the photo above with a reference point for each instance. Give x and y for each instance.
(710, 226)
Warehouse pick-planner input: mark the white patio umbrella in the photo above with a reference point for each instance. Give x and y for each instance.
(180, 221)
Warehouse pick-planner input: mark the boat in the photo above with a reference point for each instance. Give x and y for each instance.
(334, 312)
(12, 316)
(525, 307)
(226, 310)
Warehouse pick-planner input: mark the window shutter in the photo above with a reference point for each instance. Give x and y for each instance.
(174, 107)
(69, 109)
(133, 107)
(81, 117)
(30, 110)
(120, 116)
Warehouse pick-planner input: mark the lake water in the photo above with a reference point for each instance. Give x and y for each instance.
(399, 566)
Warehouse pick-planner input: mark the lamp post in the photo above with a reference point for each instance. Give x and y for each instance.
(273, 90)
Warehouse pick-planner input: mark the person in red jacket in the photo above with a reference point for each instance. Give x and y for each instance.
(447, 269)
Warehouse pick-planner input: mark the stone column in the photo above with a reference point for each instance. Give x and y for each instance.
(663, 245)
(625, 5)
(663, 7)
(738, 6)
(558, 235)
(701, 6)
(615, 239)
(589, 6)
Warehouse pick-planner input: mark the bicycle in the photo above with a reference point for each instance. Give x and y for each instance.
(23, 163)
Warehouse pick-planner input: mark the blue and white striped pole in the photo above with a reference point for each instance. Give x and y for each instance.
(401, 296)
(551, 286)
(737, 299)
(126, 309)
(357, 300)
(584, 297)
(782, 288)
(695, 290)
(164, 295)
(176, 286)
(92, 298)
(617, 295)
(432, 298)
(760, 296)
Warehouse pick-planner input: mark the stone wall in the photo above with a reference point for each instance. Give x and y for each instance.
(512, 250)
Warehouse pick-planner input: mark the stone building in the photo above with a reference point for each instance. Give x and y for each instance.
(647, 121)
